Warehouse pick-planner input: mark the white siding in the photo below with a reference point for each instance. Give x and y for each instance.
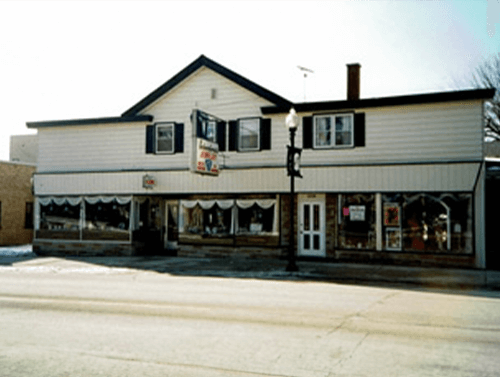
(444, 177)
(416, 133)
(80, 148)
(443, 132)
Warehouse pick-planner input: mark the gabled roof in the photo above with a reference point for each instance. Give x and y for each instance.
(203, 61)
(412, 99)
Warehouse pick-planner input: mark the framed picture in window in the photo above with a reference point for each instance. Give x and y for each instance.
(392, 214)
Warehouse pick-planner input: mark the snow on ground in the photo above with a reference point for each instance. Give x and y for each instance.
(15, 251)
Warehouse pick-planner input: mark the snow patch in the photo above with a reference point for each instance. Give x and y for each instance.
(16, 251)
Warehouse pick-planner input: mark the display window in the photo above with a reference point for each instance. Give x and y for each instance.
(83, 218)
(227, 217)
(357, 221)
(256, 216)
(208, 218)
(428, 222)
(59, 219)
(106, 221)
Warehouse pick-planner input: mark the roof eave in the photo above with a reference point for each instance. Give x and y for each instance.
(90, 121)
(462, 95)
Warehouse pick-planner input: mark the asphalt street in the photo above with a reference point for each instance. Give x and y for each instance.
(63, 317)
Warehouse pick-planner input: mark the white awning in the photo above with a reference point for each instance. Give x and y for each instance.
(108, 199)
(207, 204)
(262, 203)
(58, 200)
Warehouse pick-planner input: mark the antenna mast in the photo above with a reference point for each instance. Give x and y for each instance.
(305, 71)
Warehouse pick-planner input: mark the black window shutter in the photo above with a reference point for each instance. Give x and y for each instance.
(307, 132)
(233, 136)
(221, 135)
(359, 130)
(179, 138)
(265, 134)
(150, 139)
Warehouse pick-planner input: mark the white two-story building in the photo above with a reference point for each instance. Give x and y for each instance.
(198, 168)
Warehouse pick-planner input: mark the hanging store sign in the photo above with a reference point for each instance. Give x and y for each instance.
(207, 157)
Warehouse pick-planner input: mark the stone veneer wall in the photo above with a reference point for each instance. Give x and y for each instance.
(61, 248)
(15, 192)
(226, 251)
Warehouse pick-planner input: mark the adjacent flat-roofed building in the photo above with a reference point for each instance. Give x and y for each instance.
(198, 168)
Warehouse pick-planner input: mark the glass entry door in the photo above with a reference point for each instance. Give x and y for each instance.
(312, 227)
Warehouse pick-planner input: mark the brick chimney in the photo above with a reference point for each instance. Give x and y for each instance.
(353, 81)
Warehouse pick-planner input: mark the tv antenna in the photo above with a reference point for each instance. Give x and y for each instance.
(305, 71)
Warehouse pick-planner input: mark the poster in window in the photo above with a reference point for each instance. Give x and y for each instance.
(391, 214)
(393, 238)
(357, 213)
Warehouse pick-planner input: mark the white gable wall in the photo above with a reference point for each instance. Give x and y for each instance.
(122, 146)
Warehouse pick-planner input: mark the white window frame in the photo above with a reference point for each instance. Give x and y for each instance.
(333, 131)
(210, 124)
(157, 138)
(252, 121)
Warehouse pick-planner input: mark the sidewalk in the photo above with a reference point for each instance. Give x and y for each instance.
(308, 271)
(272, 269)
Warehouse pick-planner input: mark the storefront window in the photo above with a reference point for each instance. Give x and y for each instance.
(83, 218)
(357, 225)
(59, 219)
(208, 218)
(425, 222)
(255, 219)
(106, 220)
(227, 217)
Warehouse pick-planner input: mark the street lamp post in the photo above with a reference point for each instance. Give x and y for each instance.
(292, 123)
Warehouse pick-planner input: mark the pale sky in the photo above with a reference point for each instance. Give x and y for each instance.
(86, 59)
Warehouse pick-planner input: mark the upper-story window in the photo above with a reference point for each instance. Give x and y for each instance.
(165, 138)
(249, 134)
(333, 131)
(211, 130)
